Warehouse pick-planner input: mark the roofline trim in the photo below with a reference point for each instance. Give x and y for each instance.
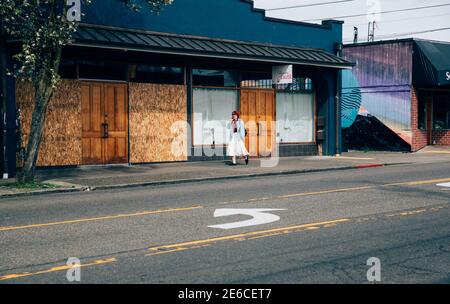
(206, 55)
(134, 31)
(411, 39)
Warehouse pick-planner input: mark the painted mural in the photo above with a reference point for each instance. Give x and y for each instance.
(379, 86)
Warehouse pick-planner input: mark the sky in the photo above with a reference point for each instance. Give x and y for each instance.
(389, 25)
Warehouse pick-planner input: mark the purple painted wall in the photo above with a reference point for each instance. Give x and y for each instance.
(383, 75)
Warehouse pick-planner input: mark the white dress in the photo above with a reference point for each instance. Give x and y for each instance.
(236, 145)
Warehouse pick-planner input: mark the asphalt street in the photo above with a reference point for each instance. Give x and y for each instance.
(329, 225)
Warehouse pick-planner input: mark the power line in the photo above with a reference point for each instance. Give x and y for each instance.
(382, 12)
(398, 20)
(410, 33)
(307, 5)
(415, 33)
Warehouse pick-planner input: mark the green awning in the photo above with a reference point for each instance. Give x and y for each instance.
(431, 63)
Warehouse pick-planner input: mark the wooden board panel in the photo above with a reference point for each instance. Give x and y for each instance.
(116, 116)
(92, 118)
(105, 123)
(257, 109)
(61, 144)
(154, 108)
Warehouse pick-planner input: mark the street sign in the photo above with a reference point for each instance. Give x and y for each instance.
(282, 74)
(260, 217)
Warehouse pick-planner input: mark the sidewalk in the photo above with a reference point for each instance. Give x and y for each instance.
(122, 176)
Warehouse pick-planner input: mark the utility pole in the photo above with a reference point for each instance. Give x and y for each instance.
(338, 49)
(4, 99)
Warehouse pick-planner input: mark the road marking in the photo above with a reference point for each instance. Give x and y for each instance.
(412, 183)
(55, 269)
(438, 152)
(415, 183)
(284, 230)
(326, 192)
(12, 228)
(260, 217)
(445, 185)
(99, 218)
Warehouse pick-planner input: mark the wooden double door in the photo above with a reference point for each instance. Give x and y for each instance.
(104, 123)
(258, 113)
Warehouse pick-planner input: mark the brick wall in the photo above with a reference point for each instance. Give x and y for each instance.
(419, 139)
(441, 137)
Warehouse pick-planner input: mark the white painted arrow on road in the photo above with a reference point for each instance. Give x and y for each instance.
(260, 217)
(446, 185)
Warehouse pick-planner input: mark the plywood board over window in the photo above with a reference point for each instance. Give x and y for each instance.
(154, 110)
(61, 143)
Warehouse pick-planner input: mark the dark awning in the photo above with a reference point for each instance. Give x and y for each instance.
(431, 63)
(105, 37)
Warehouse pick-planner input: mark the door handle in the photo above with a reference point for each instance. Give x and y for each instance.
(105, 130)
(259, 129)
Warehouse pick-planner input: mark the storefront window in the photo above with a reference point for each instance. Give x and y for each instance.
(441, 110)
(215, 78)
(156, 74)
(295, 117)
(68, 69)
(212, 111)
(102, 70)
(298, 84)
(257, 80)
(422, 111)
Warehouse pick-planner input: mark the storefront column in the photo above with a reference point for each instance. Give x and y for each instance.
(189, 101)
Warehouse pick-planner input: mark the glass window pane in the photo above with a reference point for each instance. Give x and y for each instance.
(422, 111)
(298, 84)
(212, 111)
(295, 118)
(102, 70)
(68, 69)
(215, 78)
(441, 110)
(258, 80)
(156, 74)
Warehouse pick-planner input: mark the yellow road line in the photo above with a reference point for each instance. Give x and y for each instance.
(99, 218)
(412, 183)
(168, 251)
(243, 235)
(55, 269)
(325, 192)
(415, 183)
(438, 152)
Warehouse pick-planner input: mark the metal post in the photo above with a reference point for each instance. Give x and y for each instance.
(338, 48)
(4, 100)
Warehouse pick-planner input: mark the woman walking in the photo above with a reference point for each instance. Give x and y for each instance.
(236, 145)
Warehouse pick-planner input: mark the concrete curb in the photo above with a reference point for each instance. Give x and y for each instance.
(41, 192)
(194, 180)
